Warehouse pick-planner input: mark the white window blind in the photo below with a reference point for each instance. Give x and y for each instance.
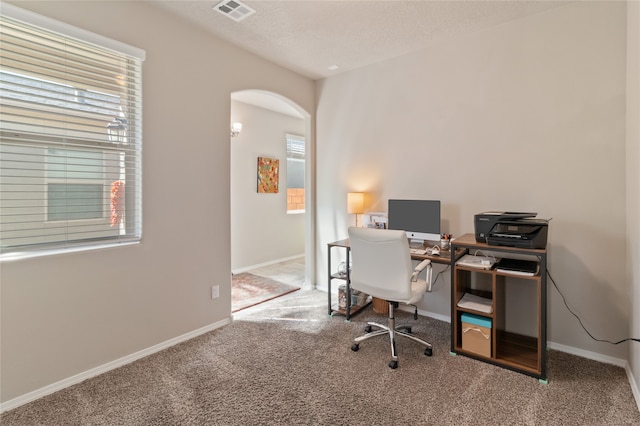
(295, 161)
(295, 173)
(295, 146)
(70, 136)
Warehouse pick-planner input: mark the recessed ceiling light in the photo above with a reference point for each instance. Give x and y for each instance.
(234, 9)
(333, 67)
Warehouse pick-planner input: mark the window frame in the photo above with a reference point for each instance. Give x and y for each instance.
(291, 139)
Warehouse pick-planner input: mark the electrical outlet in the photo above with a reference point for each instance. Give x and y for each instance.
(215, 291)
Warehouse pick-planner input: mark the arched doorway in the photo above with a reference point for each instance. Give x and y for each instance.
(261, 230)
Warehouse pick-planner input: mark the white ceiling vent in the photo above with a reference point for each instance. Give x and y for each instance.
(234, 9)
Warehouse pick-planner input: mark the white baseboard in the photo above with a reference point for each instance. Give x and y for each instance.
(588, 354)
(440, 317)
(269, 263)
(62, 384)
(634, 385)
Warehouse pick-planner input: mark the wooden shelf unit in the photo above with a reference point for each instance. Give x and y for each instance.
(518, 352)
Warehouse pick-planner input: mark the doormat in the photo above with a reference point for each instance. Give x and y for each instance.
(249, 290)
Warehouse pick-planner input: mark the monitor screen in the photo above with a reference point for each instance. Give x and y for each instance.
(420, 219)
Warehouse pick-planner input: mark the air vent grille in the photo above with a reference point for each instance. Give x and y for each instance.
(234, 9)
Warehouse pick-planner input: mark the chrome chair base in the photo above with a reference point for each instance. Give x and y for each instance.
(392, 331)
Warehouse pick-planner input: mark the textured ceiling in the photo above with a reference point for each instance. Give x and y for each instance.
(309, 36)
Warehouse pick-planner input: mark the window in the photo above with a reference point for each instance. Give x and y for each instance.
(295, 173)
(70, 136)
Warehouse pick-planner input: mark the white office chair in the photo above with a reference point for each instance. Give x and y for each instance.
(382, 267)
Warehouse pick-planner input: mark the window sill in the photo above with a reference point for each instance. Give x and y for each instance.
(23, 255)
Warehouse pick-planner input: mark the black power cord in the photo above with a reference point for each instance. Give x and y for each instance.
(580, 321)
(440, 273)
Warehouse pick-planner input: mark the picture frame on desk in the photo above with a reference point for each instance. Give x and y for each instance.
(377, 220)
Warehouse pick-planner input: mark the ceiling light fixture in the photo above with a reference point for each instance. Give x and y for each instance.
(333, 67)
(234, 9)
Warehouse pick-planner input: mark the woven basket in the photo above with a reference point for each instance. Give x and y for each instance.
(380, 306)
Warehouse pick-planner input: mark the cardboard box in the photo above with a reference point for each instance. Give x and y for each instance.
(476, 334)
(380, 306)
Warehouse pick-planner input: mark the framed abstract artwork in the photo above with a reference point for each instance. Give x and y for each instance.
(268, 174)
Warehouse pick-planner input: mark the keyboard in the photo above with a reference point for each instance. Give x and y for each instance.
(418, 251)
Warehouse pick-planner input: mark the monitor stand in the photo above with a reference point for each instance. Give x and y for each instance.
(418, 244)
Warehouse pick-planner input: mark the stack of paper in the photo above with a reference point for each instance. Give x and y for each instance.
(477, 303)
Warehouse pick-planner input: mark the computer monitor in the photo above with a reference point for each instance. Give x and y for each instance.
(420, 219)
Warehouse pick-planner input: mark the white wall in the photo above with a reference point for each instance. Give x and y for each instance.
(633, 184)
(67, 314)
(261, 229)
(526, 116)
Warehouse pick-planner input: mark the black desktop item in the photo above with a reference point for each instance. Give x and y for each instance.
(522, 233)
(484, 222)
(420, 219)
(517, 265)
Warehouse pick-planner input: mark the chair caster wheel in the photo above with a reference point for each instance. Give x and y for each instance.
(428, 352)
(368, 329)
(393, 364)
(355, 347)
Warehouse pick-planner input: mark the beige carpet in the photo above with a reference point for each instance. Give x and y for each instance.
(287, 363)
(249, 290)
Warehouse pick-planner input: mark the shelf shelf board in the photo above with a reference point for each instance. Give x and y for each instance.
(460, 350)
(354, 308)
(475, 312)
(518, 351)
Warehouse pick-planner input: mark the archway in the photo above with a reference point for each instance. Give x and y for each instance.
(255, 129)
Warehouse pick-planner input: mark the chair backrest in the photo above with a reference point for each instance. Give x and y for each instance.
(381, 263)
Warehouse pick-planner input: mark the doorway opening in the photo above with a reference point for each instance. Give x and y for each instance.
(271, 243)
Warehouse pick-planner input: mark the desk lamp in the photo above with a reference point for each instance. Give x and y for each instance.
(355, 204)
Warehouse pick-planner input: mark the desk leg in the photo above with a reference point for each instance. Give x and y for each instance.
(348, 289)
(329, 282)
(452, 301)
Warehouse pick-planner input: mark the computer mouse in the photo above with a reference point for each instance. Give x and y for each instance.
(435, 251)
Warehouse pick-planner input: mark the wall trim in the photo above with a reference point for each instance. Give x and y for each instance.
(588, 354)
(440, 317)
(269, 263)
(70, 381)
(634, 385)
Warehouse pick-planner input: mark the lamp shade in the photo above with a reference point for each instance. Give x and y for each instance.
(355, 202)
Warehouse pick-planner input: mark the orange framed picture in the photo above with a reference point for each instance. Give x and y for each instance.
(268, 174)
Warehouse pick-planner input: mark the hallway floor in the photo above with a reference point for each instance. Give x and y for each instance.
(288, 272)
